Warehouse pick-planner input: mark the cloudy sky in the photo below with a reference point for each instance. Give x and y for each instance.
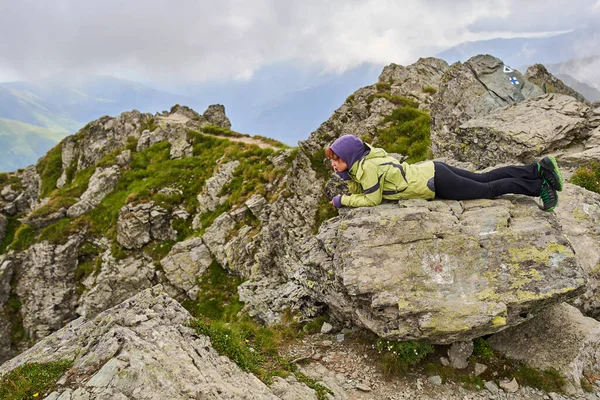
(199, 41)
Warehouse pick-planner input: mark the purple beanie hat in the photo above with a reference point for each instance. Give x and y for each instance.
(350, 149)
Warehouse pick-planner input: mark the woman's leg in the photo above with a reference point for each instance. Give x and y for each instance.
(450, 184)
(530, 171)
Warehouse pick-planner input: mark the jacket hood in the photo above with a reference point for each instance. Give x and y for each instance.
(350, 149)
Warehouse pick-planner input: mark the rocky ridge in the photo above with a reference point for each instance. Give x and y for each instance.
(522, 260)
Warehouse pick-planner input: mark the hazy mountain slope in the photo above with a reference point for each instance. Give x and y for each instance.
(527, 51)
(22, 144)
(590, 93)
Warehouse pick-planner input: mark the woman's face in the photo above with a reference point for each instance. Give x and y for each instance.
(339, 165)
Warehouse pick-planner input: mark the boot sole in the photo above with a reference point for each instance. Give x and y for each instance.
(558, 173)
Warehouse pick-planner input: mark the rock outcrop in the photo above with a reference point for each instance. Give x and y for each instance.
(20, 193)
(144, 349)
(539, 75)
(469, 90)
(524, 132)
(560, 338)
(420, 80)
(142, 223)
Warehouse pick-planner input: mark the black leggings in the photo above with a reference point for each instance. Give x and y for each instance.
(458, 184)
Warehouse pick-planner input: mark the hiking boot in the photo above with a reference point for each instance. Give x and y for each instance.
(549, 197)
(550, 173)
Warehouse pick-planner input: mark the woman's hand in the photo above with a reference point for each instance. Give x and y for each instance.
(337, 201)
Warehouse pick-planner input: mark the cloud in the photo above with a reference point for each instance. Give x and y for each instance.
(231, 39)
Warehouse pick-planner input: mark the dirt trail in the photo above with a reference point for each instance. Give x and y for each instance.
(178, 119)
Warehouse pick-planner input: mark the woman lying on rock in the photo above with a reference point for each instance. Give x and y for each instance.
(372, 175)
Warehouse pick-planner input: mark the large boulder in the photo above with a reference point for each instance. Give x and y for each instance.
(561, 338)
(144, 348)
(442, 271)
(475, 88)
(523, 132)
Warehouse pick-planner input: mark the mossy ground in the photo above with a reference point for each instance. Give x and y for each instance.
(254, 348)
(33, 380)
(150, 170)
(400, 359)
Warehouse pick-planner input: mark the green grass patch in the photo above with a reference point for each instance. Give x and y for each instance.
(217, 295)
(12, 311)
(11, 228)
(482, 349)
(86, 261)
(409, 134)
(350, 99)
(320, 390)
(53, 205)
(396, 99)
(397, 357)
(50, 168)
(24, 237)
(32, 380)
(13, 180)
(271, 141)
(59, 232)
(429, 90)
(548, 380)
(149, 124)
(588, 176)
(383, 86)
(218, 131)
(320, 164)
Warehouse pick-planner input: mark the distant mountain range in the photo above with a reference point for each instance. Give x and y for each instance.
(284, 101)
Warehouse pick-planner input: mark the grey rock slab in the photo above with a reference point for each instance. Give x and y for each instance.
(436, 380)
(160, 357)
(480, 369)
(579, 216)
(102, 182)
(472, 89)
(209, 199)
(139, 224)
(459, 352)
(524, 132)
(560, 338)
(492, 387)
(185, 263)
(422, 272)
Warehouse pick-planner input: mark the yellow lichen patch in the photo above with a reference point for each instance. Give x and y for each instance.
(402, 304)
(498, 321)
(579, 214)
(536, 254)
(488, 294)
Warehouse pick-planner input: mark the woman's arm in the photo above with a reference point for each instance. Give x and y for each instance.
(372, 193)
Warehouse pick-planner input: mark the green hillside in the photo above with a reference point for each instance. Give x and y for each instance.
(23, 144)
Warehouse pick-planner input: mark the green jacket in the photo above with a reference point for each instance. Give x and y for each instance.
(379, 176)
